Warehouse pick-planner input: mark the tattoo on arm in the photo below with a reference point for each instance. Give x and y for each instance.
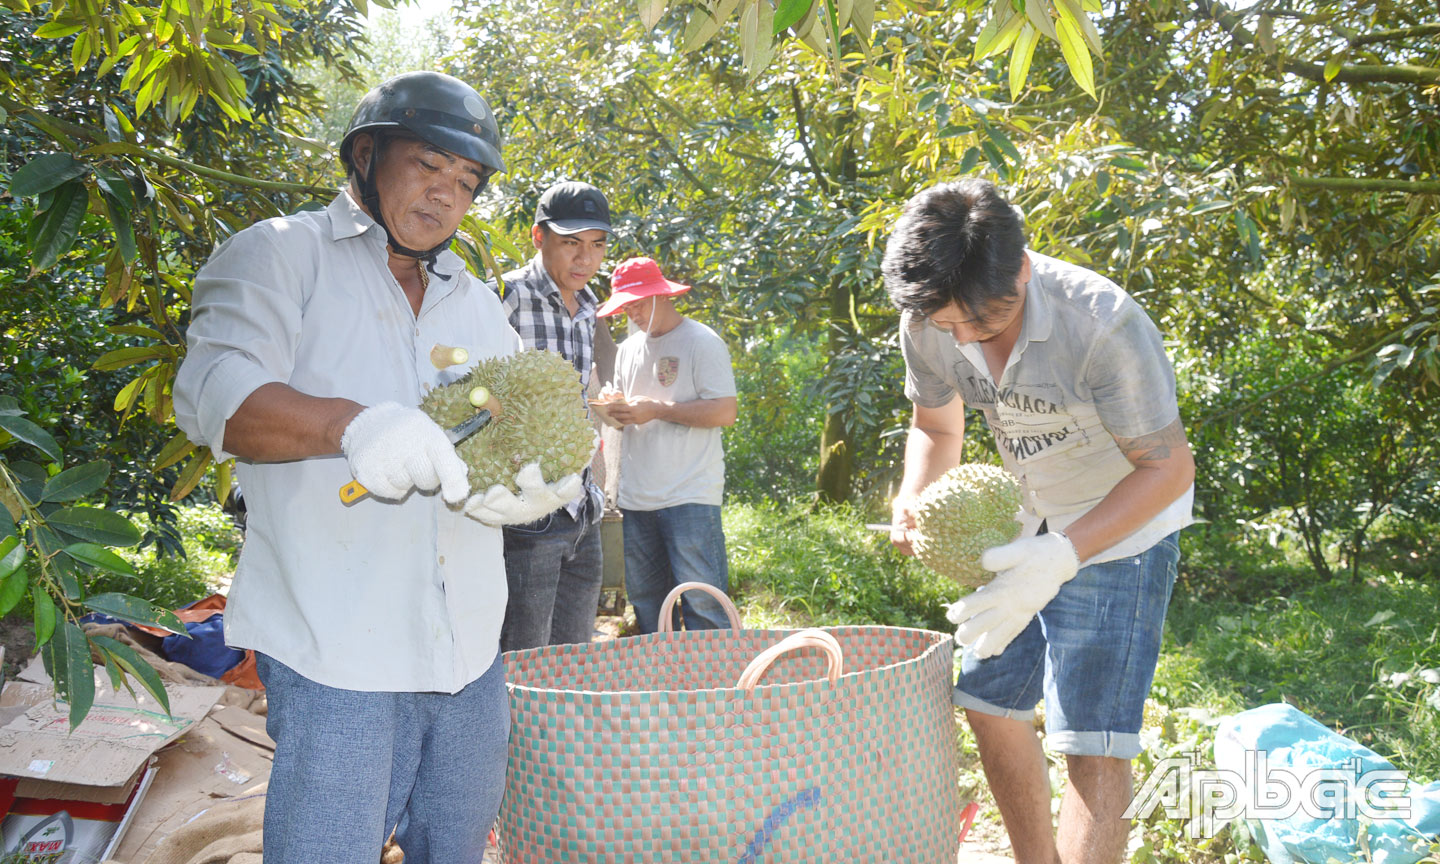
(1155, 447)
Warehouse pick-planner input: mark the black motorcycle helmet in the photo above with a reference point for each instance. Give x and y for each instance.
(440, 110)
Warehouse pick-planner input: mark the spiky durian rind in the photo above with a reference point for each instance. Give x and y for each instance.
(969, 509)
(543, 417)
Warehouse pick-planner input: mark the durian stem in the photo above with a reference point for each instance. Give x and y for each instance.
(445, 356)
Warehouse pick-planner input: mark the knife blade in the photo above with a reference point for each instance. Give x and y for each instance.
(353, 491)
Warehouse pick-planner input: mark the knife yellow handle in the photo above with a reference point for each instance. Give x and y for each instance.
(352, 492)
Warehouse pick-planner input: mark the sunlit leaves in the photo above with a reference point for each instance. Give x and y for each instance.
(1020, 56)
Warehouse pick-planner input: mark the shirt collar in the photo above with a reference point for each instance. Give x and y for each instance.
(348, 220)
(1039, 315)
(586, 298)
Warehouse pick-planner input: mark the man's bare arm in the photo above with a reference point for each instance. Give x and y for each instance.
(1164, 469)
(278, 423)
(933, 446)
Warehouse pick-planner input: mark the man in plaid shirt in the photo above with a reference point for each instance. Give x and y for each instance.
(554, 565)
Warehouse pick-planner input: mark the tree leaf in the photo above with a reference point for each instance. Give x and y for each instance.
(1332, 66)
(191, 474)
(94, 525)
(116, 185)
(130, 661)
(122, 357)
(67, 659)
(31, 434)
(99, 556)
(45, 173)
(224, 480)
(999, 32)
(12, 589)
(789, 12)
(1038, 11)
(12, 555)
(120, 225)
(43, 613)
(77, 482)
(1077, 54)
(1020, 56)
(175, 449)
(1265, 34)
(969, 160)
(135, 610)
(58, 29)
(651, 11)
(1087, 27)
(56, 229)
(1004, 144)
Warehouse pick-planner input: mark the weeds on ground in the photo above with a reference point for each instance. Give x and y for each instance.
(797, 568)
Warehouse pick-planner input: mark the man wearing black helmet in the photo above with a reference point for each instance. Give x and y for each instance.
(376, 625)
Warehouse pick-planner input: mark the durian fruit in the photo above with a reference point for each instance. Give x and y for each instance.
(542, 417)
(968, 510)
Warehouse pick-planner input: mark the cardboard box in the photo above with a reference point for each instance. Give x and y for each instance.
(42, 829)
(214, 762)
(109, 749)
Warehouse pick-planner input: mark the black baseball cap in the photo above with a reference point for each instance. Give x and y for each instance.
(571, 207)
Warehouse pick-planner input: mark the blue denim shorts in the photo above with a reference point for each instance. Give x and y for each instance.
(1090, 653)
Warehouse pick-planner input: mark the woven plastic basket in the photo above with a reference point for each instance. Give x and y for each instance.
(726, 745)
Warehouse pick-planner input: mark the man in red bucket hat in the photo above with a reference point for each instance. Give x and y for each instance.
(678, 391)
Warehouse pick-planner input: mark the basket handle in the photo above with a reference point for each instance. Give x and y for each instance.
(667, 608)
(812, 638)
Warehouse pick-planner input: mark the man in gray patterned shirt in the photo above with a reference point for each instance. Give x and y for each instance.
(553, 565)
(1071, 376)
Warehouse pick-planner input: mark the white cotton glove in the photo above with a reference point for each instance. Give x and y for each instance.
(393, 449)
(499, 506)
(1031, 573)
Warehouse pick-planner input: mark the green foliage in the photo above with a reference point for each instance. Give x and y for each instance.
(770, 453)
(1334, 455)
(796, 568)
(51, 545)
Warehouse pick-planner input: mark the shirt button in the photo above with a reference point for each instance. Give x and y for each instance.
(442, 559)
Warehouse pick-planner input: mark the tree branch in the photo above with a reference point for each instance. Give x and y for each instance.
(1395, 35)
(819, 172)
(1398, 74)
(94, 135)
(1367, 184)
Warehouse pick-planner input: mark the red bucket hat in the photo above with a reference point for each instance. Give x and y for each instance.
(634, 279)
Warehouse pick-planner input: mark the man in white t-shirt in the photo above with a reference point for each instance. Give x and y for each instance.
(679, 391)
(1072, 379)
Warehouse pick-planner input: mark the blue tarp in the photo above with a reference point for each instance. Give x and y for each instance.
(1335, 787)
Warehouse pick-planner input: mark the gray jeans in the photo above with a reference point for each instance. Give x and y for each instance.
(351, 765)
(554, 569)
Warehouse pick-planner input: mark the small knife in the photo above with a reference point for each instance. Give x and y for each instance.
(353, 491)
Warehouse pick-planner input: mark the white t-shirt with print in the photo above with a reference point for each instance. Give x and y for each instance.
(665, 464)
(1089, 366)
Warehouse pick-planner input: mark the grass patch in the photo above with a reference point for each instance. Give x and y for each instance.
(794, 568)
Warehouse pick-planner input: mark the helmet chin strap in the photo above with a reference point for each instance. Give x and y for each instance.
(370, 197)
